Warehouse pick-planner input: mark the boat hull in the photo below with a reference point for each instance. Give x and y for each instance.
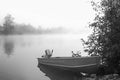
(81, 64)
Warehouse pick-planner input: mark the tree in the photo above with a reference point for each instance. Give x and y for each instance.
(8, 24)
(105, 39)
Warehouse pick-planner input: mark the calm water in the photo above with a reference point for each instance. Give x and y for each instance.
(18, 56)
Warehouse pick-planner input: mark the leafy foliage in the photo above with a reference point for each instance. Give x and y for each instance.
(105, 39)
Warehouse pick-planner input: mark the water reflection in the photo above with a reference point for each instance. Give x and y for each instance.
(23, 51)
(57, 74)
(8, 46)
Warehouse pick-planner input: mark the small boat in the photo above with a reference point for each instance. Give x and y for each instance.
(75, 64)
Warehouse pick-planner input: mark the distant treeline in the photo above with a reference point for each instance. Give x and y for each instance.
(11, 27)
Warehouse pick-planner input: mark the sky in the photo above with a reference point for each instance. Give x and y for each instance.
(72, 14)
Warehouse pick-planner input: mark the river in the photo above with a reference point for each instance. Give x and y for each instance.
(19, 53)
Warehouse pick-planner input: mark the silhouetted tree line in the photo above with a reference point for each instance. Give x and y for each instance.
(11, 27)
